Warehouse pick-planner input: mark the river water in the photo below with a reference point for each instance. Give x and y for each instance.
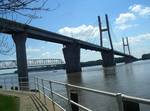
(132, 79)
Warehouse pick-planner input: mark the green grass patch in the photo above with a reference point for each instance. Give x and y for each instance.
(9, 103)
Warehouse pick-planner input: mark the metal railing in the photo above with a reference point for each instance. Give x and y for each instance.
(15, 83)
(45, 89)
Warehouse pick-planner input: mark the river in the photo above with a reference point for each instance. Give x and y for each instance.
(132, 79)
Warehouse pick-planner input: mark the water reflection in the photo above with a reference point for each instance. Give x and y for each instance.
(74, 78)
(129, 68)
(111, 71)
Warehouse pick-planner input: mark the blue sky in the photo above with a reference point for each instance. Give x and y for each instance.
(78, 19)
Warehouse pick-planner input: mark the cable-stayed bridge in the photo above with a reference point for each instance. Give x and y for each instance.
(71, 50)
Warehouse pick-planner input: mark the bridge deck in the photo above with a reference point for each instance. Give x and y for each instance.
(11, 27)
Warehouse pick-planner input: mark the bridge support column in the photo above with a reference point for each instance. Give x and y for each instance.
(20, 40)
(108, 59)
(72, 58)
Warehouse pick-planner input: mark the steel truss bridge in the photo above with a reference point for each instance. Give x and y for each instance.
(12, 64)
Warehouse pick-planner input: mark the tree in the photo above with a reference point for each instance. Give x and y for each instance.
(13, 9)
(6, 47)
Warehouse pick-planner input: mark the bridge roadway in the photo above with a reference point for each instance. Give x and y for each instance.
(11, 27)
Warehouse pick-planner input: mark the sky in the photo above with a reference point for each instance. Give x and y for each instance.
(78, 19)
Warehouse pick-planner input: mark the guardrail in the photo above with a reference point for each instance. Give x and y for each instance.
(45, 88)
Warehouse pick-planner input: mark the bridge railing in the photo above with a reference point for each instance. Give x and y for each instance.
(47, 90)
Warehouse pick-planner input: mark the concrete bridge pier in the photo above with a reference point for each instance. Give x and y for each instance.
(72, 58)
(108, 59)
(20, 40)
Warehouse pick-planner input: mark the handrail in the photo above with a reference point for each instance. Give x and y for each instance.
(136, 99)
(119, 97)
(83, 88)
(92, 90)
(81, 106)
(41, 86)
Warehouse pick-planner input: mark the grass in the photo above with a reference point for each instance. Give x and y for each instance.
(9, 103)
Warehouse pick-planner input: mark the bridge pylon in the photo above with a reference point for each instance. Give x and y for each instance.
(125, 43)
(108, 57)
(72, 58)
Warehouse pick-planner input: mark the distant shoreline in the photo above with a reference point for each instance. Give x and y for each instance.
(8, 74)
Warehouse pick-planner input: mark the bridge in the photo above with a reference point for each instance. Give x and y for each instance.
(12, 64)
(71, 50)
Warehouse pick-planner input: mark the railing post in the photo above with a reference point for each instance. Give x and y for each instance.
(20, 82)
(119, 101)
(35, 85)
(38, 87)
(43, 91)
(12, 82)
(51, 89)
(1, 85)
(5, 83)
(74, 97)
(68, 96)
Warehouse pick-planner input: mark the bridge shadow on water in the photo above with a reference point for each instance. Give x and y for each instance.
(74, 78)
(111, 71)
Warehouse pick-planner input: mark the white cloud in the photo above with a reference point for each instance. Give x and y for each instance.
(123, 21)
(57, 54)
(139, 38)
(82, 32)
(126, 26)
(125, 17)
(140, 9)
(45, 55)
(30, 49)
(135, 8)
(137, 44)
(134, 40)
(88, 55)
